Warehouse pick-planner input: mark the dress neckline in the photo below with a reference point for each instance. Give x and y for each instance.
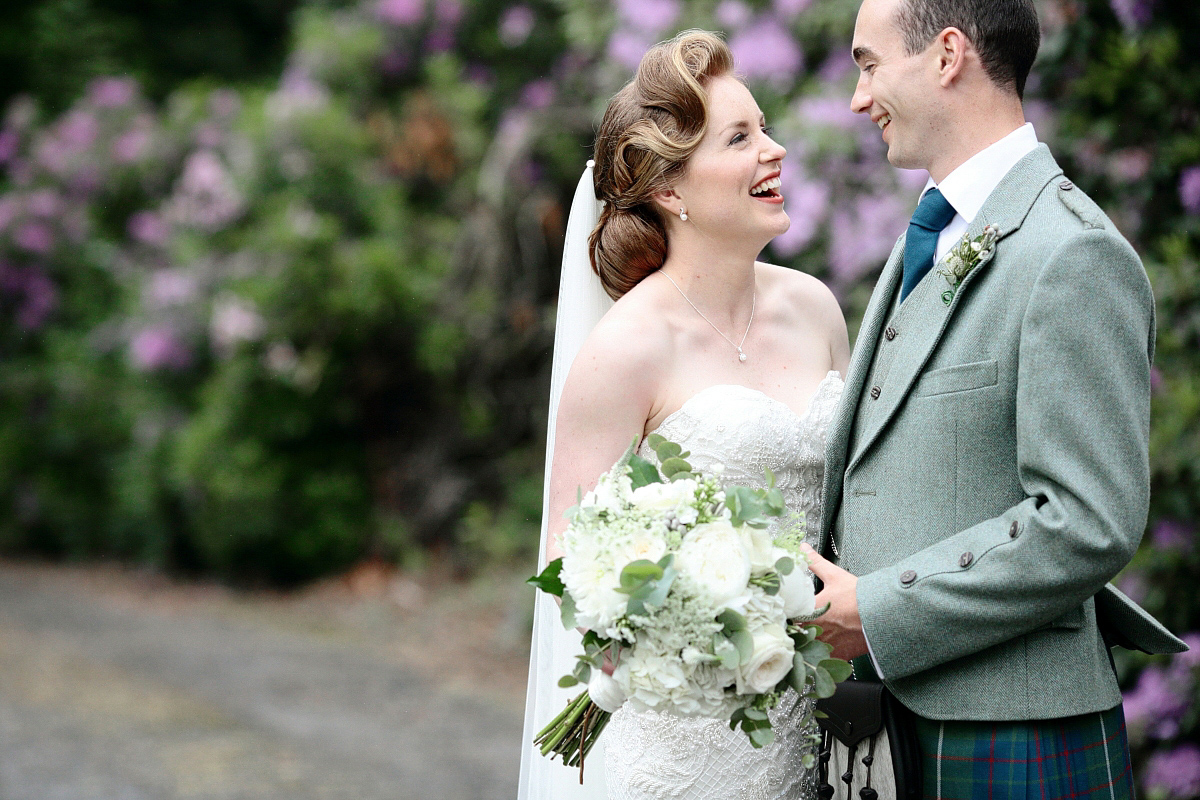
(800, 418)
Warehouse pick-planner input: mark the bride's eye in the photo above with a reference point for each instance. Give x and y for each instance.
(769, 130)
(738, 138)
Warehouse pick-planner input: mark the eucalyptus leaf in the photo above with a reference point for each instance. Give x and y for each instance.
(816, 651)
(761, 737)
(638, 572)
(642, 472)
(838, 669)
(754, 713)
(667, 450)
(549, 581)
(731, 620)
(567, 681)
(825, 686)
(567, 611)
(744, 643)
(684, 475)
(674, 465)
(785, 565)
(661, 587)
(582, 672)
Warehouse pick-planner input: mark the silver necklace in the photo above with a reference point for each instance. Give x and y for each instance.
(738, 347)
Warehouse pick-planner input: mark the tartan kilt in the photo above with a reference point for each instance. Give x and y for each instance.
(1075, 757)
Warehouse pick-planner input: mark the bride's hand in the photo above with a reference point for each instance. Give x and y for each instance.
(840, 625)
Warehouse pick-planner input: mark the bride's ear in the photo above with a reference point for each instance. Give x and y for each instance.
(669, 201)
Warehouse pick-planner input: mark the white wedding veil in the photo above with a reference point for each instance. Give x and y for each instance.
(582, 301)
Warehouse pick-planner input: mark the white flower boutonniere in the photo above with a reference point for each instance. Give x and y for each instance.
(965, 256)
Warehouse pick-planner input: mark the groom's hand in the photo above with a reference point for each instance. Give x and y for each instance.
(840, 625)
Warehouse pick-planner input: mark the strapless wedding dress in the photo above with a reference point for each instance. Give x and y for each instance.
(657, 756)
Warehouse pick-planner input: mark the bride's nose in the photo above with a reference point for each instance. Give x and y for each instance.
(774, 151)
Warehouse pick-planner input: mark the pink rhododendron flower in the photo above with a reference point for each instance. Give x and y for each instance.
(538, 94)
(157, 347)
(130, 145)
(148, 228)
(765, 50)
(9, 142)
(515, 25)
(112, 92)
(790, 8)
(401, 12)
(1189, 189)
(627, 48)
(171, 287)
(36, 237)
(448, 11)
(648, 16)
(733, 14)
(44, 203)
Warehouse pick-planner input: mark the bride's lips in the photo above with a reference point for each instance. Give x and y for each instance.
(768, 189)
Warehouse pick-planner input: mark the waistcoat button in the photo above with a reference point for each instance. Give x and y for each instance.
(965, 559)
(1013, 530)
(907, 577)
(875, 392)
(889, 334)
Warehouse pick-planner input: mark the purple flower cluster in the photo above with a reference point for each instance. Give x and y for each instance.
(1189, 190)
(1173, 536)
(1174, 773)
(1133, 14)
(1162, 696)
(32, 290)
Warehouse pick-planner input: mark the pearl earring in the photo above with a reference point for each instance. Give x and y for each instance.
(683, 213)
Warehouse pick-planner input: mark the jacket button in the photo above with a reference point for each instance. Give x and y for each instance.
(890, 334)
(907, 577)
(965, 559)
(875, 392)
(1014, 530)
(1066, 186)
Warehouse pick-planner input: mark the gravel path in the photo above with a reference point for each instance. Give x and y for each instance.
(120, 687)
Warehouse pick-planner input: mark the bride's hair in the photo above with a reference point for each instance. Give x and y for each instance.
(649, 131)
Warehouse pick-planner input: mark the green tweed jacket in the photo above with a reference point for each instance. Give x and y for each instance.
(988, 472)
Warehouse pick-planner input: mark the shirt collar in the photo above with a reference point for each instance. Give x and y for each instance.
(968, 186)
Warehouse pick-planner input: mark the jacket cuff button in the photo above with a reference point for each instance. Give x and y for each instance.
(1014, 530)
(965, 559)
(907, 577)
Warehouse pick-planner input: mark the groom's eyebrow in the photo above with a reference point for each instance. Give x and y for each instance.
(861, 53)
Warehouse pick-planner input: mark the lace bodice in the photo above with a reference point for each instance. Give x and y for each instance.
(659, 756)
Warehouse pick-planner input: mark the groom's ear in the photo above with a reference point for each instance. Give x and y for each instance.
(952, 48)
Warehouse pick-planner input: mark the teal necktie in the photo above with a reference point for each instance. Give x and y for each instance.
(933, 213)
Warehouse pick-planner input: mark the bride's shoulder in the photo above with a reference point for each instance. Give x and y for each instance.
(632, 335)
(798, 292)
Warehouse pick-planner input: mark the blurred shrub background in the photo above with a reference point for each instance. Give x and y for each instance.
(277, 277)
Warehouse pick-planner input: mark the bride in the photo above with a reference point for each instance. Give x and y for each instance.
(736, 360)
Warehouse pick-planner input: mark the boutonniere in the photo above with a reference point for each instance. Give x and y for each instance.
(965, 256)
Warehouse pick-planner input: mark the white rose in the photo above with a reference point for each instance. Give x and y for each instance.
(713, 557)
(665, 496)
(605, 692)
(770, 662)
(798, 593)
(760, 548)
(646, 545)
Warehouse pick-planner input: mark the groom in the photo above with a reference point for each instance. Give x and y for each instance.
(988, 474)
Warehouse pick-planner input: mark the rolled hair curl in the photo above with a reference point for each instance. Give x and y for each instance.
(649, 131)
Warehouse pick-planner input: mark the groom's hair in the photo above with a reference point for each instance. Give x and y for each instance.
(1004, 32)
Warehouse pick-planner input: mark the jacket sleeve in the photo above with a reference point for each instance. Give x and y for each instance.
(1082, 418)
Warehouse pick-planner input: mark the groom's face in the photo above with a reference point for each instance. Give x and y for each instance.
(897, 90)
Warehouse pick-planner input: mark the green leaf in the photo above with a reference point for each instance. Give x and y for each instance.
(754, 713)
(816, 651)
(674, 465)
(567, 681)
(770, 478)
(825, 686)
(549, 581)
(785, 565)
(582, 672)
(838, 670)
(731, 620)
(667, 450)
(761, 737)
(655, 441)
(567, 610)
(726, 651)
(642, 472)
(661, 587)
(638, 572)
(682, 476)
(744, 642)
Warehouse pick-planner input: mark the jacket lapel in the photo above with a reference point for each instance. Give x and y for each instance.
(1006, 207)
(856, 376)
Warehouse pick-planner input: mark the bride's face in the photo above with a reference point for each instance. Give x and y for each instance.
(730, 186)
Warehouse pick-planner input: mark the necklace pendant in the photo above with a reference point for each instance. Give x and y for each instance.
(741, 355)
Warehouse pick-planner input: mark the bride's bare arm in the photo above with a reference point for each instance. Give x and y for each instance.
(607, 398)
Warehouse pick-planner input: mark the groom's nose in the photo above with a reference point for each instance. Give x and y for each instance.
(860, 102)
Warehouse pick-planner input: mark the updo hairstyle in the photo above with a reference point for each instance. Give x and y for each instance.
(649, 131)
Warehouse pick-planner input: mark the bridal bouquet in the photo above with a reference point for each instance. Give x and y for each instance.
(678, 585)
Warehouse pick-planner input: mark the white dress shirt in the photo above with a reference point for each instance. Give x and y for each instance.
(966, 189)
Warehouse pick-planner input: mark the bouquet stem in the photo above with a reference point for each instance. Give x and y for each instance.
(574, 732)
